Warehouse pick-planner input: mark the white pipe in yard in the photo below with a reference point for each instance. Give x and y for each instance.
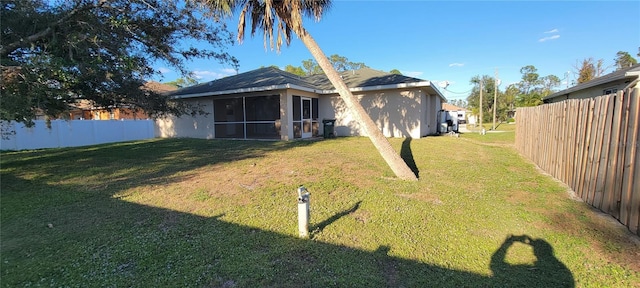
(303, 212)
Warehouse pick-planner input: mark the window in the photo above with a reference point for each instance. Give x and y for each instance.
(314, 105)
(247, 117)
(263, 131)
(297, 116)
(610, 91)
(228, 110)
(262, 108)
(229, 130)
(263, 117)
(306, 109)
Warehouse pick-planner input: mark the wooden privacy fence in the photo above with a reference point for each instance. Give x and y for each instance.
(592, 146)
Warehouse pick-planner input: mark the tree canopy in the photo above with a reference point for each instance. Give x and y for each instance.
(295, 70)
(532, 88)
(183, 82)
(311, 67)
(589, 69)
(473, 100)
(529, 91)
(625, 60)
(54, 53)
(457, 102)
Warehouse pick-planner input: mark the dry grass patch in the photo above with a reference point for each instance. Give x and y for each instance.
(426, 197)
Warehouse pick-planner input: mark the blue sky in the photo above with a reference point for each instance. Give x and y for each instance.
(453, 40)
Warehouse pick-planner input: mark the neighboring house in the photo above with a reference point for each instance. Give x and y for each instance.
(269, 103)
(465, 114)
(607, 84)
(90, 112)
(86, 110)
(452, 118)
(460, 113)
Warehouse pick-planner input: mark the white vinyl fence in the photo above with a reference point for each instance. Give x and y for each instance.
(73, 133)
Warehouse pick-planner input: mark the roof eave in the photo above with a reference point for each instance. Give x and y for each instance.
(318, 91)
(632, 74)
(245, 90)
(592, 83)
(386, 87)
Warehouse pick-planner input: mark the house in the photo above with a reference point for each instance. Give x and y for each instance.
(86, 110)
(607, 84)
(452, 118)
(269, 103)
(458, 112)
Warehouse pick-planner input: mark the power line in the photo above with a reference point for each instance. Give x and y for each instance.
(458, 92)
(457, 98)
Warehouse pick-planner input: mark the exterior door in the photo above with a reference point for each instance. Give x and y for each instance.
(306, 118)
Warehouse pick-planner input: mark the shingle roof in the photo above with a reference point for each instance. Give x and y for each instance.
(365, 77)
(273, 78)
(263, 77)
(633, 71)
(449, 107)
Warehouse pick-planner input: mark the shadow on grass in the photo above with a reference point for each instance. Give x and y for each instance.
(104, 241)
(536, 275)
(157, 161)
(407, 155)
(97, 240)
(318, 228)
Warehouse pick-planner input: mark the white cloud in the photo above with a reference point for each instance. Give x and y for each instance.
(552, 31)
(164, 70)
(456, 64)
(229, 71)
(412, 73)
(207, 75)
(554, 37)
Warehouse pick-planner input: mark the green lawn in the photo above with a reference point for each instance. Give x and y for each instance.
(209, 213)
(503, 135)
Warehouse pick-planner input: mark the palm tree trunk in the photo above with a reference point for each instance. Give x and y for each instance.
(393, 159)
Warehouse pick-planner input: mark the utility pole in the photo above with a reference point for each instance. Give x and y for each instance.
(481, 126)
(495, 96)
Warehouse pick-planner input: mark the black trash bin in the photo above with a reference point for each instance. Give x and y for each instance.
(328, 125)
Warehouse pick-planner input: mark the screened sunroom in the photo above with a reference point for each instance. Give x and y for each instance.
(256, 117)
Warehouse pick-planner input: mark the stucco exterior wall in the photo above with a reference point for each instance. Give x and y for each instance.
(432, 104)
(332, 107)
(398, 113)
(199, 126)
(424, 117)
